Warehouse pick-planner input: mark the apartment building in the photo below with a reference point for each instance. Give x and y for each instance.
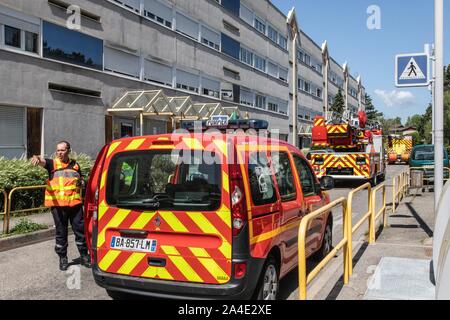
(60, 79)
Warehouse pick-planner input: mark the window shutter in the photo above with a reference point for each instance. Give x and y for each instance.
(158, 72)
(122, 62)
(158, 9)
(188, 79)
(19, 24)
(210, 35)
(211, 84)
(246, 15)
(11, 131)
(187, 26)
(132, 4)
(283, 74)
(247, 97)
(273, 69)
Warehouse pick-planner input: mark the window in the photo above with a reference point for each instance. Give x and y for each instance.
(272, 105)
(247, 98)
(283, 42)
(246, 15)
(307, 87)
(272, 69)
(131, 4)
(211, 87)
(31, 42)
(283, 74)
(246, 56)
(122, 62)
(187, 26)
(73, 47)
(12, 37)
(230, 46)
(261, 182)
(210, 38)
(260, 63)
(308, 60)
(158, 73)
(232, 5)
(272, 34)
(300, 55)
(306, 176)
(175, 181)
(284, 176)
(12, 135)
(319, 93)
(158, 12)
(260, 102)
(187, 81)
(260, 25)
(301, 84)
(283, 108)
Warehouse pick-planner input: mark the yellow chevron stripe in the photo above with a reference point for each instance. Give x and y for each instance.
(135, 144)
(225, 182)
(193, 144)
(173, 222)
(170, 250)
(114, 223)
(207, 227)
(185, 269)
(131, 263)
(102, 208)
(112, 148)
(214, 269)
(222, 145)
(108, 259)
(103, 180)
(200, 252)
(143, 220)
(225, 214)
(153, 272)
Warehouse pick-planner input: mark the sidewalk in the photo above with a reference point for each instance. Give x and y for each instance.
(378, 273)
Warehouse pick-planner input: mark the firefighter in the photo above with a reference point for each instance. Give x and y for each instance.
(63, 195)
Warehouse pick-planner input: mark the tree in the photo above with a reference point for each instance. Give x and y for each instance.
(372, 113)
(338, 105)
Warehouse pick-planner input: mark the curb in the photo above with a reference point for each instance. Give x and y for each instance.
(23, 240)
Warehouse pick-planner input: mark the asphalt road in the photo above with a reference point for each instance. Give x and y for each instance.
(32, 272)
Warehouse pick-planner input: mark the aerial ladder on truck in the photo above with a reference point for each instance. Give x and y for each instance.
(347, 147)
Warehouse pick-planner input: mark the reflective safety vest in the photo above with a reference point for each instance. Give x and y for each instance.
(63, 188)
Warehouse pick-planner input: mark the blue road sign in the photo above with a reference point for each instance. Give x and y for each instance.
(412, 70)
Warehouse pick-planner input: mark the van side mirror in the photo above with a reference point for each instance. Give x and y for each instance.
(326, 183)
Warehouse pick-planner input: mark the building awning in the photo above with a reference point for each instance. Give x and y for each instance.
(156, 103)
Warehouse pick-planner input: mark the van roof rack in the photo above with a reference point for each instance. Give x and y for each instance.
(222, 124)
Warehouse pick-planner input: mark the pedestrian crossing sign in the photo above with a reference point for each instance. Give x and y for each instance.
(412, 70)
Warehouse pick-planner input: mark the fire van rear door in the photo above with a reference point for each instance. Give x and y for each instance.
(166, 217)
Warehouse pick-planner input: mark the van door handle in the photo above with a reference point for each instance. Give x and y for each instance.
(155, 262)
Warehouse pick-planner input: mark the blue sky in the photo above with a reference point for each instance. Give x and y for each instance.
(405, 27)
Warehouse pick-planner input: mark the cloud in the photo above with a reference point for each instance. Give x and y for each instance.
(395, 98)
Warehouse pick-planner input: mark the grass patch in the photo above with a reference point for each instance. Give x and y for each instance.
(25, 226)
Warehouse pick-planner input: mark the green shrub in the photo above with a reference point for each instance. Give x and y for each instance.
(26, 226)
(21, 173)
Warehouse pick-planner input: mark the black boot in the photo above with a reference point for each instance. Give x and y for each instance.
(85, 260)
(63, 263)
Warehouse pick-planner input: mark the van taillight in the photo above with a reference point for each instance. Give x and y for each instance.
(238, 205)
(240, 270)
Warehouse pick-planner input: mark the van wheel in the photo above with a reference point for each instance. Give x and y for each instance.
(269, 283)
(327, 243)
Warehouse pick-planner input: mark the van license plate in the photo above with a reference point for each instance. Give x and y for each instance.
(131, 244)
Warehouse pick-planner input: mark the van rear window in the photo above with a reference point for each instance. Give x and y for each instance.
(164, 180)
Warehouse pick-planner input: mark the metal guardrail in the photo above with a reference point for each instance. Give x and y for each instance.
(400, 187)
(5, 208)
(305, 279)
(376, 214)
(6, 220)
(367, 216)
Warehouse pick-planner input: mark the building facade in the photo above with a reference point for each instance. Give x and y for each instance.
(60, 77)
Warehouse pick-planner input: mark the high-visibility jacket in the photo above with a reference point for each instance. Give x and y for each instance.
(63, 188)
